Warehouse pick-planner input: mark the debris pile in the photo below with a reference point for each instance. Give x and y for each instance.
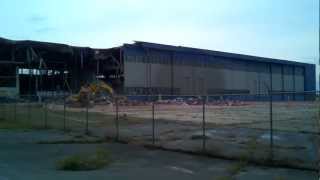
(181, 101)
(123, 101)
(177, 101)
(100, 93)
(95, 93)
(227, 103)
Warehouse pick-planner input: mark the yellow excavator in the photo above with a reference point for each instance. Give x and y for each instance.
(97, 92)
(99, 87)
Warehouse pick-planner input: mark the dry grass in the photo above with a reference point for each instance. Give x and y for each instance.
(224, 178)
(237, 167)
(17, 125)
(74, 141)
(279, 178)
(85, 162)
(289, 116)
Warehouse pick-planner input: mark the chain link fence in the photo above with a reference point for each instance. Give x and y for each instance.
(275, 128)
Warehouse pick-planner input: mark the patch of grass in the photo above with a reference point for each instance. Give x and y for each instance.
(279, 178)
(237, 167)
(224, 178)
(85, 162)
(288, 161)
(21, 125)
(244, 157)
(17, 125)
(79, 136)
(32, 116)
(252, 145)
(250, 150)
(74, 141)
(24, 118)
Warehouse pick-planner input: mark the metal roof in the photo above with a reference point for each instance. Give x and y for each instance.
(69, 49)
(215, 53)
(55, 47)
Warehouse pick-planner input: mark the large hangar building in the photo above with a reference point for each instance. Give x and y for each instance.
(32, 67)
(151, 68)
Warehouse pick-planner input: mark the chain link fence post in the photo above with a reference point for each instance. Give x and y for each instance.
(29, 108)
(317, 99)
(64, 114)
(45, 114)
(318, 128)
(15, 108)
(117, 119)
(203, 124)
(153, 124)
(87, 115)
(1, 109)
(271, 124)
(5, 109)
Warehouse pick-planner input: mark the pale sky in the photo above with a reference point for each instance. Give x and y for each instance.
(284, 29)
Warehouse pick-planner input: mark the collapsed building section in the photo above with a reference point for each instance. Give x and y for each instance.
(34, 68)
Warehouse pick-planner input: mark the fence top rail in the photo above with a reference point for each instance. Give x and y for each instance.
(221, 94)
(64, 95)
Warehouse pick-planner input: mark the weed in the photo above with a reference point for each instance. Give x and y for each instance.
(18, 125)
(279, 178)
(83, 162)
(224, 178)
(73, 141)
(252, 145)
(237, 167)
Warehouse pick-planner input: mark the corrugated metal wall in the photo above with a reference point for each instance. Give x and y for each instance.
(177, 73)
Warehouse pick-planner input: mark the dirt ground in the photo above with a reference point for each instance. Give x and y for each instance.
(287, 116)
(234, 132)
